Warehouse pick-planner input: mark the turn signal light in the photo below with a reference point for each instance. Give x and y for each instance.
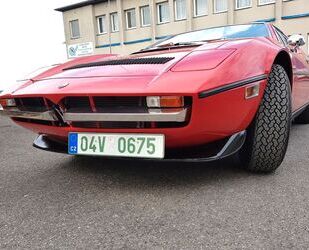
(172, 101)
(252, 91)
(165, 101)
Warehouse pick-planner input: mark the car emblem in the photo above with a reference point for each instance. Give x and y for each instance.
(63, 85)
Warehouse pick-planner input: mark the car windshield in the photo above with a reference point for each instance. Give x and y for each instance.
(220, 33)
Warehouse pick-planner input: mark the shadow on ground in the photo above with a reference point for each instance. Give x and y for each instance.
(154, 173)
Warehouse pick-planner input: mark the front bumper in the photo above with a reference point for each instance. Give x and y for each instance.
(16, 113)
(207, 120)
(206, 153)
(57, 116)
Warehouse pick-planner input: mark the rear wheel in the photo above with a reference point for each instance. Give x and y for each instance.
(268, 135)
(303, 118)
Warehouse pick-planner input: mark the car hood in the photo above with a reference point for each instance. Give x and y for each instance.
(150, 66)
(120, 78)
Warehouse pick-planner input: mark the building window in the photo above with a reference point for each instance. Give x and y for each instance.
(74, 27)
(163, 12)
(101, 22)
(200, 7)
(180, 9)
(130, 18)
(262, 2)
(241, 4)
(145, 16)
(220, 6)
(114, 22)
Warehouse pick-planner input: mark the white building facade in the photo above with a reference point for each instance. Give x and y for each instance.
(125, 26)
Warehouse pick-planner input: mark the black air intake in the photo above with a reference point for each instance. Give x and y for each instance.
(77, 104)
(131, 61)
(36, 104)
(121, 104)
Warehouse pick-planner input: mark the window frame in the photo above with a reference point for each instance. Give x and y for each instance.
(158, 13)
(112, 23)
(245, 7)
(195, 9)
(142, 16)
(71, 29)
(221, 11)
(281, 36)
(126, 12)
(104, 25)
(308, 45)
(176, 13)
(262, 4)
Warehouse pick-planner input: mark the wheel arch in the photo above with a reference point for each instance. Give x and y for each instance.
(284, 59)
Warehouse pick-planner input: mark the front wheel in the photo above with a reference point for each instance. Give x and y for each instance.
(268, 135)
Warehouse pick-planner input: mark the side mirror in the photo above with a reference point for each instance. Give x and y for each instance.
(296, 40)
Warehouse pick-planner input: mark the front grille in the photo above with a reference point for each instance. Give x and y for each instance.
(105, 104)
(129, 61)
(128, 125)
(36, 104)
(96, 104)
(114, 104)
(111, 125)
(77, 104)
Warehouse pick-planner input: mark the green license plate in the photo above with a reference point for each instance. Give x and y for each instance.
(118, 145)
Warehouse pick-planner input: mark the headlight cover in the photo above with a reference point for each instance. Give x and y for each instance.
(7, 103)
(203, 60)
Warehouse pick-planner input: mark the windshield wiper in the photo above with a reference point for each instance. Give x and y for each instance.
(170, 45)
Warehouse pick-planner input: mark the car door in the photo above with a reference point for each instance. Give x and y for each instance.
(300, 63)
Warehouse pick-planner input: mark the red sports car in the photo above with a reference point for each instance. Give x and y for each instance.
(197, 96)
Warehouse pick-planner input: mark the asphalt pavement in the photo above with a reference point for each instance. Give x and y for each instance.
(57, 201)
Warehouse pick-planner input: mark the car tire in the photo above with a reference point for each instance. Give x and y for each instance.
(303, 118)
(268, 135)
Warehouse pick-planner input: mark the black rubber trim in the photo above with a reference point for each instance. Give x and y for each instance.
(44, 143)
(298, 112)
(231, 86)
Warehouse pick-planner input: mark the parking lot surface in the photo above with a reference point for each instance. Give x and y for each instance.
(57, 201)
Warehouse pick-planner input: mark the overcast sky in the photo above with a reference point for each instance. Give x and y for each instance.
(32, 36)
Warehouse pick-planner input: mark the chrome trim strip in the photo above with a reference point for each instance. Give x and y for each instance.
(152, 116)
(301, 73)
(16, 113)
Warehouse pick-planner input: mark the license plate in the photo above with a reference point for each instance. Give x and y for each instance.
(119, 145)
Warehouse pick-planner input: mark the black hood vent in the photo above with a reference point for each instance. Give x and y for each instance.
(129, 61)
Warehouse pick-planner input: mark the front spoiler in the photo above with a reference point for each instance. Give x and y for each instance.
(211, 152)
